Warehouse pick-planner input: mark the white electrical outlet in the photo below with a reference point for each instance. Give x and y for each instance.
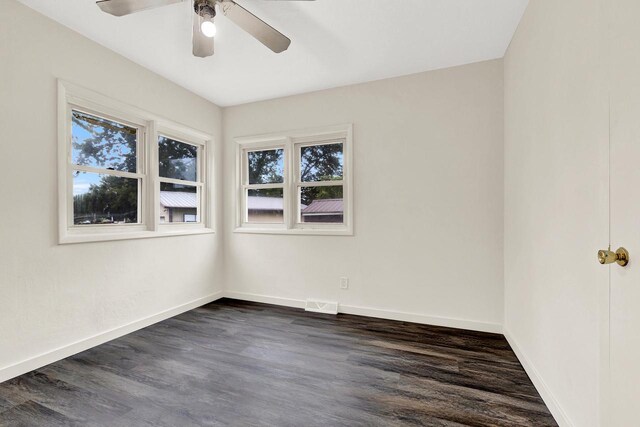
(344, 283)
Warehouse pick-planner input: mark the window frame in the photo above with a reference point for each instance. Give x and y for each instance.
(72, 97)
(292, 142)
(298, 145)
(141, 171)
(274, 144)
(200, 183)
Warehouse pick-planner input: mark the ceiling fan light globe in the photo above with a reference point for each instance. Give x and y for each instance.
(208, 29)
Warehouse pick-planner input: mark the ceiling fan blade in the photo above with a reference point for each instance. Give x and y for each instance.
(263, 32)
(202, 45)
(125, 7)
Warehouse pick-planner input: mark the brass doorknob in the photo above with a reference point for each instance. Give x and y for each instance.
(621, 256)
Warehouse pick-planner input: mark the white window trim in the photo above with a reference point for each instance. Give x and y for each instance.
(291, 141)
(71, 96)
(200, 182)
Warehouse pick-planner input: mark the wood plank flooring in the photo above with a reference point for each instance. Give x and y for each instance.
(233, 363)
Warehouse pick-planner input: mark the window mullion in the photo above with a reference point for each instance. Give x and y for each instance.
(206, 210)
(199, 168)
(294, 176)
(141, 168)
(153, 186)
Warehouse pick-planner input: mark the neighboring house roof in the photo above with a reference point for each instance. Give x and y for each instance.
(178, 199)
(325, 207)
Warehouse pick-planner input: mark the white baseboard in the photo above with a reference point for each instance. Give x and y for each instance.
(448, 322)
(376, 312)
(44, 359)
(543, 390)
(266, 299)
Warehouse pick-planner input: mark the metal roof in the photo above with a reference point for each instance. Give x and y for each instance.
(325, 206)
(178, 199)
(181, 199)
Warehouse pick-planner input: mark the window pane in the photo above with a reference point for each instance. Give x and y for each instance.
(179, 203)
(265, 206)
(177, 159)
(104, 199)
(266, 167)
(102, 143)
(321, 163)
(322, 204)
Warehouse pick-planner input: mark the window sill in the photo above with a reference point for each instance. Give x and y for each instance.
(295, 231)
(72, 238)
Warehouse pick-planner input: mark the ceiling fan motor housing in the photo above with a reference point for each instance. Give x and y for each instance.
(203, 26)
(205, 8)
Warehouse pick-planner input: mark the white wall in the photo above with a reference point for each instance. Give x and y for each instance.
(428, 162)
(556, 202)
(50, 295)
(429, 190)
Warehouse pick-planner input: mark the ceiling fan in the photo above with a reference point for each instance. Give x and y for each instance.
(204, 29)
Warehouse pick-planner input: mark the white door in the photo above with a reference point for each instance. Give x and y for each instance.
(623, 406)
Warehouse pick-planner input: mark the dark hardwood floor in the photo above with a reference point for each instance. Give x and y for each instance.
(235, 363)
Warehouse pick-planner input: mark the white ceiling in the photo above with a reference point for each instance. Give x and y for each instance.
(334, 42)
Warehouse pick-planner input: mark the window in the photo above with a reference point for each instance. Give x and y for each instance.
(180, 180)
(296, 183)
(110, 187)
(319, 183)
(264, 187)
(106, 175)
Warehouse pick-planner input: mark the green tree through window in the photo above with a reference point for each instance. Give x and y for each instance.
(107, 145)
